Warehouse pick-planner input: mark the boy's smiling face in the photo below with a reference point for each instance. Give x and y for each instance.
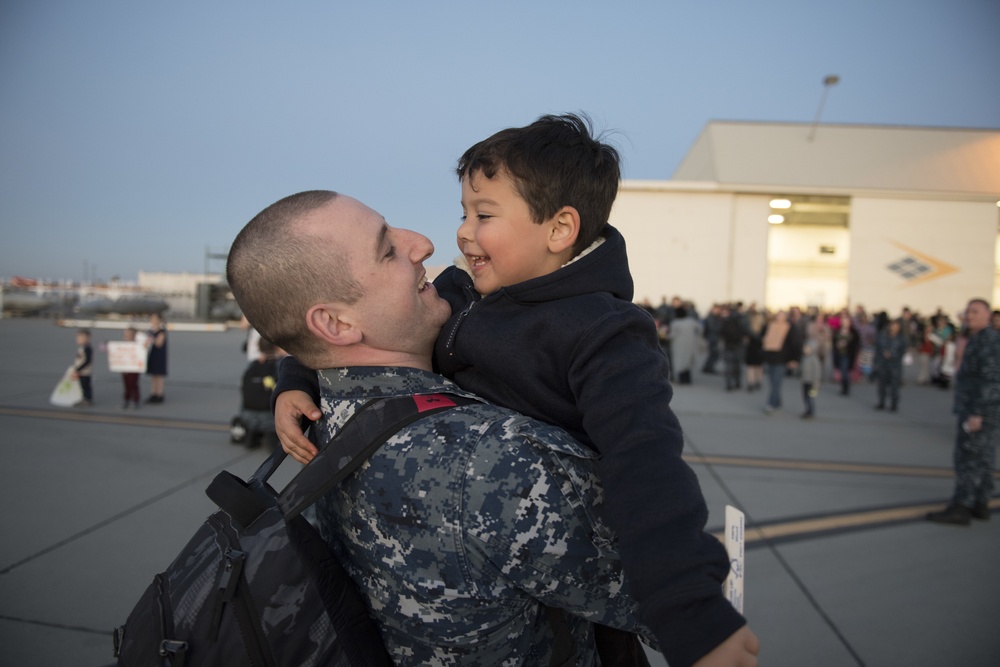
(498, 237)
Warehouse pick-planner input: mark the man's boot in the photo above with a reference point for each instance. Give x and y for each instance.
(981, 511)
(956, 515)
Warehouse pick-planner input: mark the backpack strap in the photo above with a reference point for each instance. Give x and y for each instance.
(370, 426)
(357, 440)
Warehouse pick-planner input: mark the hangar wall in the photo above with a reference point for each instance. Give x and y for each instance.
(921, 253)
(702, 246)
(712, 246)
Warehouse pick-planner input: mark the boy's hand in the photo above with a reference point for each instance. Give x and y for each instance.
(289, 407)
(974, 423)
(740, 650)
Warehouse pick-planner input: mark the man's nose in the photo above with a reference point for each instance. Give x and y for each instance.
(420, 247)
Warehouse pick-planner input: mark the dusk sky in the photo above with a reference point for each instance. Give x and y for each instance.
(133, 135)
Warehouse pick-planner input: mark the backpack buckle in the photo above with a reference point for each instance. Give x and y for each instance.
(172, 647)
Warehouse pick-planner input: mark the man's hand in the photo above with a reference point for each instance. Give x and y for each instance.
(740, 650)
(289, 407)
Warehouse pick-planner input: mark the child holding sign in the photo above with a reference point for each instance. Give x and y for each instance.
(128, 357)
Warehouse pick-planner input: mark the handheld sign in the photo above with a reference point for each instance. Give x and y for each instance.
(733, 586)
(126, 356)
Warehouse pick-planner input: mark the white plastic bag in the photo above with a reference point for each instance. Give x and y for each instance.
(68, 392)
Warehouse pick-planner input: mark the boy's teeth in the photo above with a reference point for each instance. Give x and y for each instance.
(422, 283)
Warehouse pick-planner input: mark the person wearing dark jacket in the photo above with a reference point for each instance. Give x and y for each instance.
(890, 348)
(712, 331)
(543, 322)
(846, 344)
(83, 367)
(733, 333)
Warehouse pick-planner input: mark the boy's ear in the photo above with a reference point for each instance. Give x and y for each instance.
(332, 324)
(564, 229)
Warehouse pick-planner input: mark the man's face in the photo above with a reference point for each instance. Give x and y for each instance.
(977, 316)
(498, 237)
(400, 311)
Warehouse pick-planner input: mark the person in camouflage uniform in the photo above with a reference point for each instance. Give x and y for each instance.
(464, 526)
(977, 405)
(468, 527)
(890, 348)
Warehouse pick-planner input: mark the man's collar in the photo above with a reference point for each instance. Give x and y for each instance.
(369, 382)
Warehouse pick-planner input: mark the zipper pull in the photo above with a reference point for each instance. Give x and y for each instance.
(226, 589)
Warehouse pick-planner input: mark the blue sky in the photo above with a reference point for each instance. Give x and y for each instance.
(133, 135)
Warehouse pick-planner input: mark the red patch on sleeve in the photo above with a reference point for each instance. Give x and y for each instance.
(430, 401)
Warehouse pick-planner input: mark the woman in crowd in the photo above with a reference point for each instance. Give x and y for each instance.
(846, 343)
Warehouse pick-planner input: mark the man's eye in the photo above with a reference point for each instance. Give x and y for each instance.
(391, 253)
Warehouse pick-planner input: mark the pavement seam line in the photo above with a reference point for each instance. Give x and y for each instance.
(123, 420)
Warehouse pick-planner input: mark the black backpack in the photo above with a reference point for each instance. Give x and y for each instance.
(257, 585)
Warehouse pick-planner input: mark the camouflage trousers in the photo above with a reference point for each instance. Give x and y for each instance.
(975, 459)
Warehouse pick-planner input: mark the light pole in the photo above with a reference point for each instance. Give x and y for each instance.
(830, 80)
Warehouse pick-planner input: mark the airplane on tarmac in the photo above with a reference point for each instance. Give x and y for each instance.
(19, 302)
(131, 304)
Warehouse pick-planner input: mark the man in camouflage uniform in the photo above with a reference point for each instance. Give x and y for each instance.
(977, 404)
(468, 528)
(890, 348)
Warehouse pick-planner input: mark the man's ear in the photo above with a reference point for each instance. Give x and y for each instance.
(564, 229)
(332, 324)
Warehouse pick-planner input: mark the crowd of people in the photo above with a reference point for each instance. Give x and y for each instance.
(837, 346)
(846, 348)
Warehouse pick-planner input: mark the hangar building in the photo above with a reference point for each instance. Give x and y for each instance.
(878, 216)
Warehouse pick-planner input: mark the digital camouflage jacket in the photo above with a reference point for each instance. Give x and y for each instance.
(465, 523)
(977, 383)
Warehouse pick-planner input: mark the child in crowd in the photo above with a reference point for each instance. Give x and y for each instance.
(811, 371)
(83, 367)
(255, 424)
(130, 380)
(543, 322)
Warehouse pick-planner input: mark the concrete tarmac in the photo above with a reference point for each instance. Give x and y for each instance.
(841, 568)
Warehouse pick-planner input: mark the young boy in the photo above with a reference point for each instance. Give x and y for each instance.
(255, 416)
(83, 366)
(811, 371)
(543, 322)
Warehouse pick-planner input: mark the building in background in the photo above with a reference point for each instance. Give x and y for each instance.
(786, 214)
